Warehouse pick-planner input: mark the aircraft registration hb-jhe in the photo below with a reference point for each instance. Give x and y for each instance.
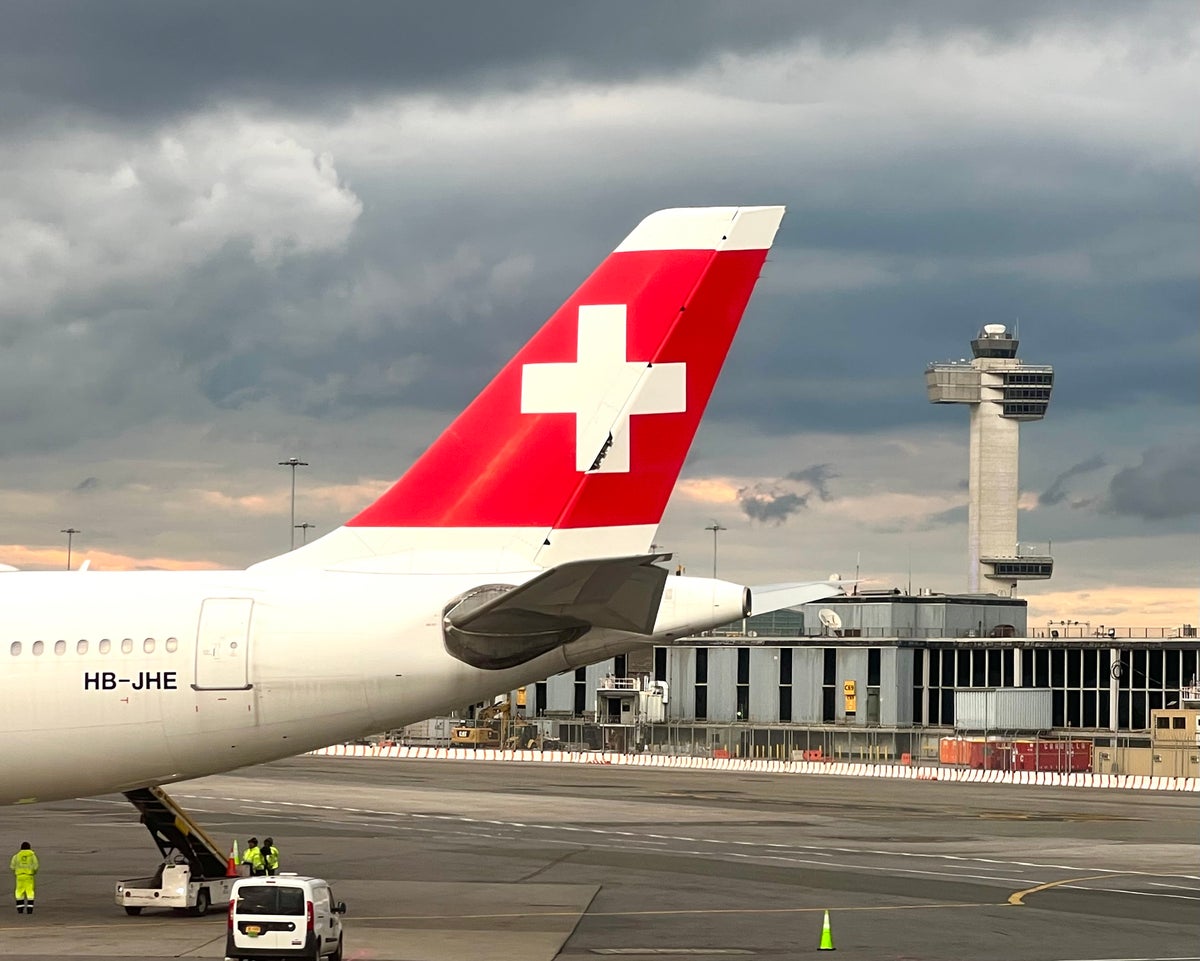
(518, 546)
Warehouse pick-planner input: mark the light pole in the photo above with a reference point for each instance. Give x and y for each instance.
(715, 528)
(70, 532)
(293, 463)
(304, 529)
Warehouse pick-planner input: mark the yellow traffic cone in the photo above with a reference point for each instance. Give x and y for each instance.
(826, 935)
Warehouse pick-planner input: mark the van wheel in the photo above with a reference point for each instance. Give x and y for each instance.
(132, 910)
(203, 903)
(337, 952)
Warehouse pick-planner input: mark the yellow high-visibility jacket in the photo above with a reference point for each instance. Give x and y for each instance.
(24, 863)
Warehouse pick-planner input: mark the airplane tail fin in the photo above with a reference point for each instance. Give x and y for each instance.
(573, 449)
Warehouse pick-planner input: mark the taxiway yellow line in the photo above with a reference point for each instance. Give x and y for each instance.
(1018, 897)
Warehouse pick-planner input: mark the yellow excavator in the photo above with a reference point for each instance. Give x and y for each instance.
(489, 729)
(527, 737)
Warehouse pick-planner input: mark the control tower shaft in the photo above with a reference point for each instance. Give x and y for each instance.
(1002, 391)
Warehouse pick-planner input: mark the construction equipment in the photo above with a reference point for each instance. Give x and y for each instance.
(489, 729)
(528, 737)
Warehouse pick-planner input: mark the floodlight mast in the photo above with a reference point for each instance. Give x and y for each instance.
(293, 463)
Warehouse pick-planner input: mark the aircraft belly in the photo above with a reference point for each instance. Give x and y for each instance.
(71, 762)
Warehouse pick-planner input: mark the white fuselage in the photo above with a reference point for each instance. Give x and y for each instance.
(323, 657)
(112, 681)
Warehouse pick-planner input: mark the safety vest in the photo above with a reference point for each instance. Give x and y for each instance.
(253, 857)
(24, 863)
(271, 855)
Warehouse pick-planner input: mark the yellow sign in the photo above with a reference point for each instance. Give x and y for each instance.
(850, 693)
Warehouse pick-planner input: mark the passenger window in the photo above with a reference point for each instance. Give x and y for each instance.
(60, 648)
(127, 646)
(105, 645)
(148, 645)
(172, 645)
(15, 649)
(38, 648)
(81, 647)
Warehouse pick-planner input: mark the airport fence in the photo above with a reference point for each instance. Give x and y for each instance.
(1063, 751)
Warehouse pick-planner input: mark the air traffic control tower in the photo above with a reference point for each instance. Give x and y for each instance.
(1002, 392)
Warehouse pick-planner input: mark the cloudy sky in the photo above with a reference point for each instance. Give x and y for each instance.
(231, 233)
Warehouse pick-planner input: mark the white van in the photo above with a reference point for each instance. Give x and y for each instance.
(284, 916)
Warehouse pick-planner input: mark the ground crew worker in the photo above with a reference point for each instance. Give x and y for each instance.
(24, 866)
(270, 855)
(253, 858)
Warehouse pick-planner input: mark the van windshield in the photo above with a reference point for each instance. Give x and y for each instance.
(270, 899)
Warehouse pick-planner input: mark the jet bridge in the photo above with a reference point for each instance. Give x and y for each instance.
(174, 831)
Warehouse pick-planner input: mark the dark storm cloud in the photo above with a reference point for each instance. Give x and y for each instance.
(234, 321)
(773, 502)
(770, 506)
(1162, 487)
(144, 59)
(818, 477)
(1057, 491)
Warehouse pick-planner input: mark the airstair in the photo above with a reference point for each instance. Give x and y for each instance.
(174, 831)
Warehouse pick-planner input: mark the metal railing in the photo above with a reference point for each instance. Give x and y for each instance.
(611, 683)
(1077, 630)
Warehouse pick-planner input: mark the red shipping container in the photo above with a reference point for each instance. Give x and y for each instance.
(975, 753)
(1061, 757)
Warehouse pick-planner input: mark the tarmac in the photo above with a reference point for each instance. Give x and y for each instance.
(503, 861)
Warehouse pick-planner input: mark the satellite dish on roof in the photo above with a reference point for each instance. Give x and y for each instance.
(829, 619)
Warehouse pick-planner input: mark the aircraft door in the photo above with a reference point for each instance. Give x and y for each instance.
(223, 644)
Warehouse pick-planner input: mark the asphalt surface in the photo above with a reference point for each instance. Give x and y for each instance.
(472, 861)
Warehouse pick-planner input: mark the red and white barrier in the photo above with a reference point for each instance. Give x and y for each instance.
(772, 766)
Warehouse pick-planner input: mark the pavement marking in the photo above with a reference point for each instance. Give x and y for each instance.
(688, 952)
(678, 912)
(1152, 894)
(1018, 897)
(120, 922)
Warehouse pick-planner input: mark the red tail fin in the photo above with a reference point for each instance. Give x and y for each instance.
(576, 445)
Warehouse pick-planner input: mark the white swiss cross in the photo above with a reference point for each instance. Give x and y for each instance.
(603, 390)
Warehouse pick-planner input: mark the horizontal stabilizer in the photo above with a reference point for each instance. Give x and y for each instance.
(777, 597)
(496, 627)
(619, 593)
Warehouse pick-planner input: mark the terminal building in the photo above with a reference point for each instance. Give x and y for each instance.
(881, 675)
(896, 661)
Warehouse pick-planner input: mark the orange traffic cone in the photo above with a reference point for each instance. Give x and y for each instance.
(231, 866)
(826, 935)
